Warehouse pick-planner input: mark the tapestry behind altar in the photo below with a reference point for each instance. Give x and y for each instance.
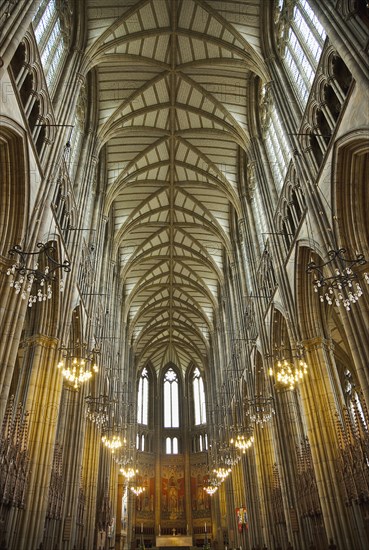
(172, 492)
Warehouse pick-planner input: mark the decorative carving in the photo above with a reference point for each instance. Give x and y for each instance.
(56, 489)
(251, 179)
(81, 506)
(277, 500)
(306, 486)
(104, 517)
(353, 460)
(14, 456)
(266, 277)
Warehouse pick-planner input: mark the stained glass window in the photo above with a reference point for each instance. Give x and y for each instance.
(171, 400)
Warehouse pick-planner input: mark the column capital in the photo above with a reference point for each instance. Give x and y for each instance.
(41, 340)
(318, 342)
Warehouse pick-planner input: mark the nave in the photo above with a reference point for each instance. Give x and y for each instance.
(184, 274)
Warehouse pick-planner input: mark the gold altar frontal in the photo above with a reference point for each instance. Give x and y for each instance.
(173, 540)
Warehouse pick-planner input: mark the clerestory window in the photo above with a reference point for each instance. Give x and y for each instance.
(143, 398)
(301, 46)
(50, 39)
(199, 398)
(275, 138)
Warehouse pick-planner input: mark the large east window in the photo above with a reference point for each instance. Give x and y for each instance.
(171, 399)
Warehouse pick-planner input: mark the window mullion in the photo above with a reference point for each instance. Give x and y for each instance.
(320, 38)
(305, 47)
(300, 62)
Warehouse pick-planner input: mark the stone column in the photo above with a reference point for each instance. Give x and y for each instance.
(12, 314)
(42, 402)
(319, 404)
(288, 432)
(90, 475)
(72, 438)
(264, 465)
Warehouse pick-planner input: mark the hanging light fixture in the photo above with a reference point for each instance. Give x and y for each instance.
(78, 364)
(343, 286)
(260, 409)
(126, 462)
(210, 489)
(212, 485)
(113, 441)
(112, 438)
(221, 472)
(137, 489)
(288, 372)
(242, 436)
(242, 442)
(97, 410)
(128, 472)
(35, 268)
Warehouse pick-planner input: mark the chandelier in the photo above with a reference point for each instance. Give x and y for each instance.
(210, 489)
(212, 486)
(113, 441)
(221, 472)
(343, 287)
(260, 409)
(241, 436)
(137, 489)
(127, 465)
(289, 373)
(128, 472)
(23, 275)
(242, 442)
(97, 410)
(78, 364)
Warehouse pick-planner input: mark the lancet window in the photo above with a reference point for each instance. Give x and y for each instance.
(50, 38)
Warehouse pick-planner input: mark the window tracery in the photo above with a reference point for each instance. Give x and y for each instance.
(52, 27)
(300, 38)
(143, 398)
(171, 399)
(275, 139)
(199, 398)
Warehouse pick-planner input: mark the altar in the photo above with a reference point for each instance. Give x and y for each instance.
(173, 540)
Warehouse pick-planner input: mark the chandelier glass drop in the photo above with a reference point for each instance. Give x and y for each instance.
(128, 472)
(26, 273)
(137, 489)
(260, 409)
(287, 372)
(212, 486)
(222, 473)
(242, 437)
(97, 410)
(113, 440)
(78, 365)
(343, 286)
(242, 442)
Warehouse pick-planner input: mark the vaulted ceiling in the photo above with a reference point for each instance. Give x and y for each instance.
(172, 87)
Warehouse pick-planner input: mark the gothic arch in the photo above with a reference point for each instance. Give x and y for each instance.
(310, 313)
(350, 191)
(14, 192)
